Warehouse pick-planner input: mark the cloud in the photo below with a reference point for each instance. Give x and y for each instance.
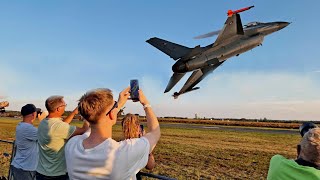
(274, 95)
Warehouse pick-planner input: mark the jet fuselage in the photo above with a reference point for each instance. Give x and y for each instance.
(234, 46)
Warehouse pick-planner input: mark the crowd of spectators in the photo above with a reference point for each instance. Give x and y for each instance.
(58, 150)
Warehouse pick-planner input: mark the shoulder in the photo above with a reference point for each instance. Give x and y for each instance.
(278, 157)
(74, 140)
(25, 127)
(134, 142)
(135, 145)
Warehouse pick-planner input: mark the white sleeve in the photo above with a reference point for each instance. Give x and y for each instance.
(138, 154)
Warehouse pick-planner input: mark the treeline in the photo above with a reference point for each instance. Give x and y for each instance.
(264, 122)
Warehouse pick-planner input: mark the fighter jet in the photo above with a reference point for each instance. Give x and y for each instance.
(233, 39)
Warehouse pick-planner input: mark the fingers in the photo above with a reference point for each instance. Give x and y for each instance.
(123, 97)
(126, 91)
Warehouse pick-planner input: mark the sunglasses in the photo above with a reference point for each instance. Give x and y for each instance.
(115, 105)
(62, 105)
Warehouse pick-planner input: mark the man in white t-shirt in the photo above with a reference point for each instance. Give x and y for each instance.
(98, 156)
(24, 164)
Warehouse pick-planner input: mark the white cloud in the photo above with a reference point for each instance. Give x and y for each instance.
(275, 95)
(242, 95)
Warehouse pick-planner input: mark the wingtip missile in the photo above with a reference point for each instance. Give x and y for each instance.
(230, 12)
(177, 94)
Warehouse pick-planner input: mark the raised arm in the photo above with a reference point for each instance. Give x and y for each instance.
(85, 127)
(152, 122)
(69, 118)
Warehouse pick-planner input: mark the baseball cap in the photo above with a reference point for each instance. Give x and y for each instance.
(305, 127)
(28, 109)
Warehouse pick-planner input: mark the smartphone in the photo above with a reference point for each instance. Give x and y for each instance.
(141, 128)
(134, 90)
(141, 133)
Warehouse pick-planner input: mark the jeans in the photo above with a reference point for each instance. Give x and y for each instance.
(20, 174)
(43, 177)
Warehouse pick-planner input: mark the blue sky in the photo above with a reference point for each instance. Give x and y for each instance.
(70, 47)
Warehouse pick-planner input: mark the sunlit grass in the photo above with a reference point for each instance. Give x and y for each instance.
(200, 153)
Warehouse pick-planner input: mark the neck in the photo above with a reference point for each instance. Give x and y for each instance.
(27, 121)
(99, 133)
(54, 115)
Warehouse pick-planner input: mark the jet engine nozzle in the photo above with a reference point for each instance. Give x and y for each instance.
(179, 67)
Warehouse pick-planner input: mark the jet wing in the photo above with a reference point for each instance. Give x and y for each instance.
(175, 78)
(197, 76)
(232, 27)
(175, 51)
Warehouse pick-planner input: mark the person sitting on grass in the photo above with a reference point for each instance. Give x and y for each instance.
(132, 129)
(306, 166)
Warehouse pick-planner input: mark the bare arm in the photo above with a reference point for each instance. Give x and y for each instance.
(81, 130)
(152, 122)
(151, 162)
(43, 115)
(71, 116)
(123, 97)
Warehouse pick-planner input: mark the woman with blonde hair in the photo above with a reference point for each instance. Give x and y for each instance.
(131, 129)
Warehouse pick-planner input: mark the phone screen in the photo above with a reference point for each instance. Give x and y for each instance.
(134, 90)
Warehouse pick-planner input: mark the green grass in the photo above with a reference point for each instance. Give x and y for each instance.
(201, 153)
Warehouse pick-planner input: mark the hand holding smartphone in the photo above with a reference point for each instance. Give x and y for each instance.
(134, 90)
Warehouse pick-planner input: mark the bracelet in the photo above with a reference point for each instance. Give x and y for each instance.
(146, 106)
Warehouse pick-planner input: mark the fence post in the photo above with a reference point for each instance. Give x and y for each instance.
(13, 153)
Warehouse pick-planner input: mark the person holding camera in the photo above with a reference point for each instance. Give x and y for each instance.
(98, 156)
(53, 133)
(24, 164)
(307, 164)
(132, 128)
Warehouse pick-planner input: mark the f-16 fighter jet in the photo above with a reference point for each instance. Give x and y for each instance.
(233, 39)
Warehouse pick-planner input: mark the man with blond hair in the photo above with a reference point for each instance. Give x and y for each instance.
(306, 166)
(53, 133)
(98, 156)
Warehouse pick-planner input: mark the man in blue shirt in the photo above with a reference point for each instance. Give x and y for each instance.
(25, 161)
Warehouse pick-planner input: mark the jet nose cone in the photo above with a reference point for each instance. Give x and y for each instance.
(282, 25)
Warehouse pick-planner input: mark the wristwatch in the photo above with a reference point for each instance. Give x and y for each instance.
(146, 106)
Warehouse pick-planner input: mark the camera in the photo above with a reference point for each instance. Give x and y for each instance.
(39, 111)
(305, 127)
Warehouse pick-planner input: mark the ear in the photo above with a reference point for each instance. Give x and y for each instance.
(113, 114)
(298, 150)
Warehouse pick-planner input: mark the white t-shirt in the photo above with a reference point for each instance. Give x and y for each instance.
(108, 160)
(27, 152)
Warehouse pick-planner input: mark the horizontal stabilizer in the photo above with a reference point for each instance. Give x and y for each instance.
(197, 76)
(175, 78)
(175, 51)
(210, 34)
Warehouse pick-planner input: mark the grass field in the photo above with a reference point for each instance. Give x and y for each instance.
(199, 153)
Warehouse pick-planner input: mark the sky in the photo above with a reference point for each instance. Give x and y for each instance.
(70, 47)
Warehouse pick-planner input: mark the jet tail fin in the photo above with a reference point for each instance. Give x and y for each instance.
(175, 51)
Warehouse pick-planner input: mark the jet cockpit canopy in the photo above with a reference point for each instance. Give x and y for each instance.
(253, 24)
